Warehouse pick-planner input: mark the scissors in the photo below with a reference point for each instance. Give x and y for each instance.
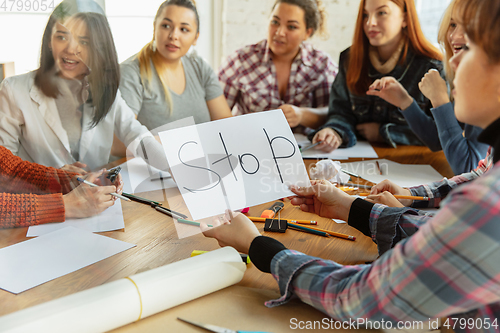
(216, 329)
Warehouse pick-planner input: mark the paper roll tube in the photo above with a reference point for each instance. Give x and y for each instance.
(117, 303)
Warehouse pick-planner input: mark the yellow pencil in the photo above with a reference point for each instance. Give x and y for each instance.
(410, 197)
(263, 219)
(331, 233)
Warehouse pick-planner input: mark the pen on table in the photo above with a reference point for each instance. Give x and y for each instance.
(331, 233)
(153, 204)
(310, 146)
(410, 197)
(378, 167)
(81, 180)
(350, 173)
(263, 219)
(306, 229)
(141, 200)
(169, 212)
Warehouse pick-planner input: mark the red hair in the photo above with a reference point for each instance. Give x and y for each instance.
(357, 70)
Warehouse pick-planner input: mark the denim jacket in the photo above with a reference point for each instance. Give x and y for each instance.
(346, 110)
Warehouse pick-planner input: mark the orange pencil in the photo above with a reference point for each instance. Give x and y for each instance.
(410, 197)
(262, 219)
(331, 233)
(378, 168)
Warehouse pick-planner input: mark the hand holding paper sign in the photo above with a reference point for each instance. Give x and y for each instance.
(238, 232)
(255, 155)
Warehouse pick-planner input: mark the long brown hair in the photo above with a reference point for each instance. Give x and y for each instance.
(357, 78)
(104, 77)
(147, 54)
(481, 21)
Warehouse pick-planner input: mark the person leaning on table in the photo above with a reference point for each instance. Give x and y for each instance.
(430, 266)
(387, 42)
(33, 194)
(283, 71)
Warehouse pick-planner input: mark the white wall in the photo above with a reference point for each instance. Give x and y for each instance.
(226, 25)
(131, 23)
(246, 22)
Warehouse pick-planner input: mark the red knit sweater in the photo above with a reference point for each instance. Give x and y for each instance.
(30, 193)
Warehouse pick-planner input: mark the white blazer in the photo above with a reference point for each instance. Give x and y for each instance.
(31, 128)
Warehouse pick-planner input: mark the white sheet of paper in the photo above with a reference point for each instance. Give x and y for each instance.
(139, 177)
(404, 175)
(254, 156)
(30, 263)
(360, 150)
(110, 219)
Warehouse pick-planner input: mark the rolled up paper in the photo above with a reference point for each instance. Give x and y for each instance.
(122, 302)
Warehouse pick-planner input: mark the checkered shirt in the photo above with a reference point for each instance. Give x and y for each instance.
(248, 79)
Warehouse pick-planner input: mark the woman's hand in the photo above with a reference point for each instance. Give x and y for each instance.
(85, 201)
(104, 181)
(292, 114)
(370, 131)
(434, 88)
(390, 90)
(238, 232)
(392, 188)
(385, 198)
(324, 199)
(330, 140)
(76, 167)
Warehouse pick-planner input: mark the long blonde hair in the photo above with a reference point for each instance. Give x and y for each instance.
(148, 54)
(444, 28)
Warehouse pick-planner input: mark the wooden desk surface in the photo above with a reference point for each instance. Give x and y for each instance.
(158, 243)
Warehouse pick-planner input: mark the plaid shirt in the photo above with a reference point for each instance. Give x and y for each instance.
(449, 268)
(248, 79)
(438, 190)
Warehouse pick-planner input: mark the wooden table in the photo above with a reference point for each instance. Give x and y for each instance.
(158, 243)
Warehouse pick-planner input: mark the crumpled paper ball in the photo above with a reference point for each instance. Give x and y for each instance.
(329, 170)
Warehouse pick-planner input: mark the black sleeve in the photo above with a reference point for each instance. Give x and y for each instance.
(359, 216)
(262, 251)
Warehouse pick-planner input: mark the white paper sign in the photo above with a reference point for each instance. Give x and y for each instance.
(254, 157)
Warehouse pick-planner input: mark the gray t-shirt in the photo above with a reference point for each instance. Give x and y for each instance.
(151, 108)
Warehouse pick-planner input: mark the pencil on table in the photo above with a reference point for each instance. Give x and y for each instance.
(331, 233)
(263, 219)
(378, 168)
(409, 197)
(307, 229)
(303, 222)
